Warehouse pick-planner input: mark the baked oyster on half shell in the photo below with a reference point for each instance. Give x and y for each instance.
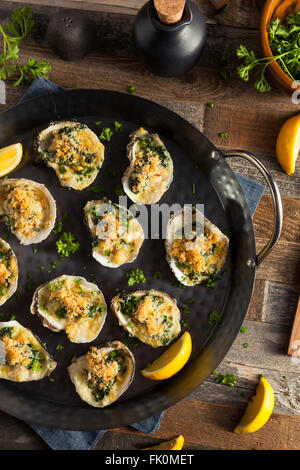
(150, 171)
(196, 249)
(152, 316)
(72, 304)
(117, 236)
(28, 209)
(8, 272)
(103, 374)
(73, 151)
(22, 356)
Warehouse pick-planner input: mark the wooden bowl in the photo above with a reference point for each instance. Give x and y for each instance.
(276, 9)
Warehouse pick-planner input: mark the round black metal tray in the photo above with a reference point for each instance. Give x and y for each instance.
(196, 162)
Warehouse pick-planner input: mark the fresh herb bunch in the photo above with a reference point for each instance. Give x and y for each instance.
(20, 26)
(67, 244)
(285, 44)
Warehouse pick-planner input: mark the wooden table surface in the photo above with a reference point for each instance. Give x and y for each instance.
(252, 120)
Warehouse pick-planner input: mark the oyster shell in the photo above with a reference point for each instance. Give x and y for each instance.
(196, 249)
(103, 374)
(152, 316)
(28, 209)
(72, 304)
(116, 233)
(150, 172)
(22, 356)
(73, 151)
(8, 272)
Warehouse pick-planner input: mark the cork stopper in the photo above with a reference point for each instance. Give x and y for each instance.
(169, 11)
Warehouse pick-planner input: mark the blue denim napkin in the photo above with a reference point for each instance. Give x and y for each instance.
(59, 439)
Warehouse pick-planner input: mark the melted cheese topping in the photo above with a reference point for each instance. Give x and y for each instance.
(74, 297)
(118, 237)
(8, 269)
(198, 255)
(71, 305)
(152, 166)
(25, 209)
(153, 318)
(17, 351)
(98, 368)
(75, 153)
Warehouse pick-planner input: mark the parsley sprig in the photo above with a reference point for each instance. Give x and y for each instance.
(67, 244)
(285, 44)
(20, 26)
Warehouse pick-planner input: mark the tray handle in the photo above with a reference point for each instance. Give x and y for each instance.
(276, 199)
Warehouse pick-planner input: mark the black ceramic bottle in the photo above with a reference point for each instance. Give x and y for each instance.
(169, 50)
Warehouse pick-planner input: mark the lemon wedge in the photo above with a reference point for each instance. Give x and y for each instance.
(171, 361)
(174, 444)
(10, 158)
(259, 409)
(288, 144)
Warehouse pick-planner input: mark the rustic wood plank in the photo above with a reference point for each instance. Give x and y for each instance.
(282, 264)
(256, 305)
(291, 212)
(280, 303)
(267, 346)
(284, 385)
(212, 424)
(16, 435)
(236, 13)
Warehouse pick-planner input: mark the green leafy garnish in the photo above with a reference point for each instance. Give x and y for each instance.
(118, 126)
(227, 379)
(243, 329)
(285, 45)
(132, 89)
(223, 135)
(67, 244)
(20, 26)
(106, 134)
(96, 188)
(214, 318)
(135, 276)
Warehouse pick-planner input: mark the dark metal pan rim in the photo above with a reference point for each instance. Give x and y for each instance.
(55, 414)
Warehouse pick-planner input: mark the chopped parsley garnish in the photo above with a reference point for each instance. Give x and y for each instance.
(6, 331)
(245, 345)
(223, 135)
(214, 318)
(59, 347)
(98, 123)
(18, 296)
(106, 134)
(243, 329)
(132, 89)
(62, 169)
(34, 250)
(227, 379)
(61, 313)
(135, 276)
(211, 282)
(210, 105)
(58, 227)
(13, 317)
(96, 188)
(67, 244)
(118, 126)
(180, 285)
